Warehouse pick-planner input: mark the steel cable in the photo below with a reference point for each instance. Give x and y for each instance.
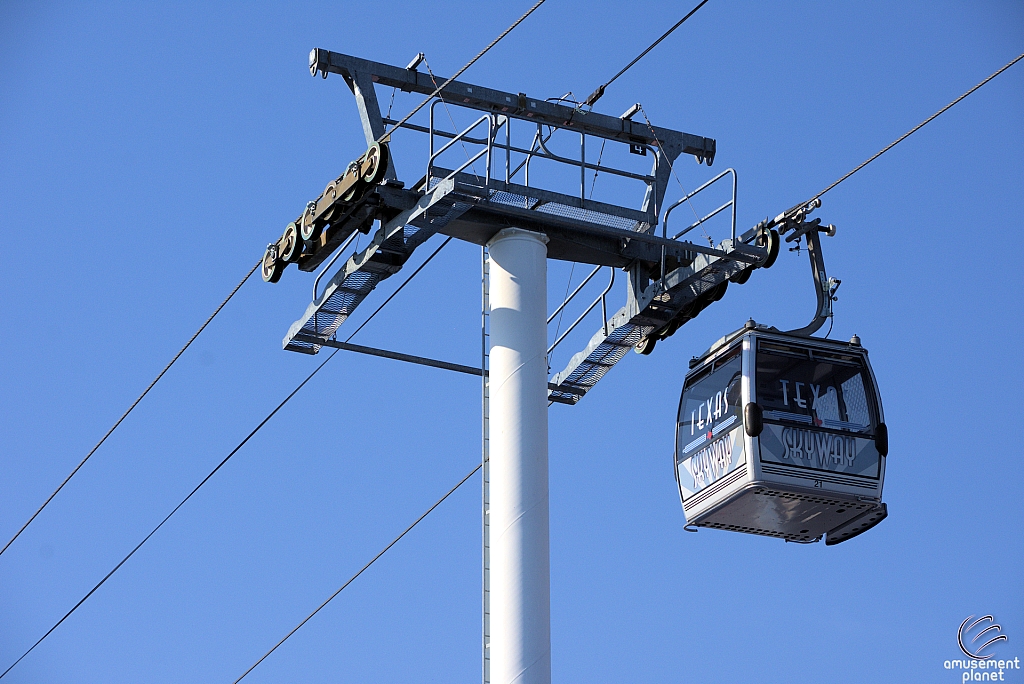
(173, 511)
(399, 288)
(916, 128)
(361, 570)
(387, 135)
(222, 463)
(130, 408)
(599, 91)
(383, 138)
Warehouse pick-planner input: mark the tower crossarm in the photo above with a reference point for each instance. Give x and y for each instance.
(514, 105)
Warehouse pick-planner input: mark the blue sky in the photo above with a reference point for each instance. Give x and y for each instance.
(149, 152)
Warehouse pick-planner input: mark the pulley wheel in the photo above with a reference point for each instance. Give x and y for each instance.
(291, 244)
(377, 155)
(646, 345)
(719, 291)
(310, 229)
(353, 192)
(774, 242)
(331, 191)
(742, 277)
(272, 267)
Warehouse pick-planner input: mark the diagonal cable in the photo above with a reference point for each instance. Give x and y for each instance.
(222, 463)
(455, 128)
(672, 169)
(361, 570)
(399, 288)
(387, 136)
(173, 511)
(599, 91)
(130, 408)
(918, 127)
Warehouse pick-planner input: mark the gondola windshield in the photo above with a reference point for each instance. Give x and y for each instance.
(818, 409)
(709, 422)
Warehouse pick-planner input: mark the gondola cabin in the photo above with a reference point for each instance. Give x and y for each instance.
(783, 436)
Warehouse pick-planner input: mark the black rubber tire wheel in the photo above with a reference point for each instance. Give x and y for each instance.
(774, 243)
(742, 277)
(271, 268)
(646, 345)
(291, 244)
(354, 192)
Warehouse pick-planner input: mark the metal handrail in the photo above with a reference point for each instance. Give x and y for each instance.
(573, 295)
(439, 132)
(732, 203)
(548, 154)
(573, 162)
(530, 153)
(538, 149)
(604, 311)
(460, 136)
(341, 250)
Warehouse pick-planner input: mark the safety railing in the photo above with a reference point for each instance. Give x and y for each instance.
(601, 299)
(486, 118)
(687, 198)
(538, 149)
(338, 253)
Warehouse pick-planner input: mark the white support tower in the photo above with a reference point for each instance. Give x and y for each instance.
(670, 280)
(520, 593)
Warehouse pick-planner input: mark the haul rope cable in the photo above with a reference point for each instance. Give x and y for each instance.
(361, 570)
(226, 459)
(387, 136)
(173, 511)
(916, 128)
(599, 91)
(384, 137)
(130, 408)
(590, 100)
(475, 469)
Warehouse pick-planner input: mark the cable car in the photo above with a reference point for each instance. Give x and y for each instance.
(782, 435)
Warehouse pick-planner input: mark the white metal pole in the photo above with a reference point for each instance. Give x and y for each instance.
(520, 597)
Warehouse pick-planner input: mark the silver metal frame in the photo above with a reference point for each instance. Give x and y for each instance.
(458, 203)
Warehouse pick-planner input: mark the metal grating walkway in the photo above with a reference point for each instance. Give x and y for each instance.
(390, 248)
(664, 302)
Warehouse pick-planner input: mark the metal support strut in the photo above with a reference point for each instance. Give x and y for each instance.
(824, 287)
